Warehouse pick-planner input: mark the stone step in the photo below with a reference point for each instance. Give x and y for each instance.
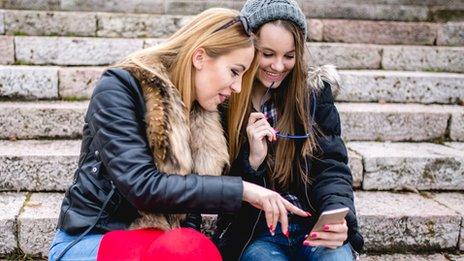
(94, 24)
(41, 119)
(401, 87)
(390, 222)
(369, 10)
(44, 165)
(102, 51)
(71, 83)
(38, 165)
(410, 166)
(360, 121)
(400, 122)
(412, 257)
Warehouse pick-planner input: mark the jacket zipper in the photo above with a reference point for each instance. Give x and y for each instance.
(306, 187)
(254, 227)
(225, 230)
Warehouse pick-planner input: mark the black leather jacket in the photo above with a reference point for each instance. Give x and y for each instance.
(331, 187)
(116, 164)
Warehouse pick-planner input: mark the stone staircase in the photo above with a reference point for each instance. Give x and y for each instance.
(402, 109)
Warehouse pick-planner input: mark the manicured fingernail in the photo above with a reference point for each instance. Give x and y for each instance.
(314, 235)
(287, 234)
(326, 228)
(309, 214)
(271, 227)
(306, 243)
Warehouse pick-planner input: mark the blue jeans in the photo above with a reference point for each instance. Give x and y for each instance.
(84, 250)
(278, 247)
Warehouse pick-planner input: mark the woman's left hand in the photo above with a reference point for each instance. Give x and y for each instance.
(332, 236)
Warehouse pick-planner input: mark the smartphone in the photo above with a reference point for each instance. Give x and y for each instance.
(335, 216)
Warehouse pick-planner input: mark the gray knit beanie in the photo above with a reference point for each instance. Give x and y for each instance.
(259, 12)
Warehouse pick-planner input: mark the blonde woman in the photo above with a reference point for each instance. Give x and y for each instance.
(151, 127)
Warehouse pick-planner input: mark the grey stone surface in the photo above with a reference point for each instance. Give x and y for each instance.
(446, 14)
(10, 204)
(2, 22)
(344, 56)
(78, 82)
(405, 222)
(451, 34)
(152, 42)
(31, 4)
(27, 82)
(26, 120)
(134, 6)
(457, 124)
(404, 257)
(456, 257)
(34, 165)
(50, 23)
(423, 58)
(365, 11)
(456, 145)
(7, 50)
(410, 166)
(194, 6)
(454, 201)
(393, 122)
(37, 223)
(139, 25)
(379, 32)
(394, 86)
(315, 30)
(356, 165)
(74, 51)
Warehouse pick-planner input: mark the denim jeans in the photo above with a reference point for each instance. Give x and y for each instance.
(84, 250)
(278, 247)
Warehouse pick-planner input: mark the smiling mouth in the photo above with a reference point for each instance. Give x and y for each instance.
(222, 98)
(273, 76)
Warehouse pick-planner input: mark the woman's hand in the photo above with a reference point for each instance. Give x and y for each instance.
(258, 129)
(332, 236)
(274, 205)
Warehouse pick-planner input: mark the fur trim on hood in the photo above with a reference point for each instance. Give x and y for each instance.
(325, 73)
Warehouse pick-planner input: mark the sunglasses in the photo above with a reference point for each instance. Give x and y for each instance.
(239, 19)
(287, 135)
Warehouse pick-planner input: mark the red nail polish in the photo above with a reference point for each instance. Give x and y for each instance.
(314, 235)
(271, 227)
(306, 243)
(309, 214)
(326, 228)
(287, 234)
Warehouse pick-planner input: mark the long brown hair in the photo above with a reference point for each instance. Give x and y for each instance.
(205, 30)
(293, 113)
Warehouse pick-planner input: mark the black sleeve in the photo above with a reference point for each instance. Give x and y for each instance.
(332, 187)
(119, 134)
(241, 167)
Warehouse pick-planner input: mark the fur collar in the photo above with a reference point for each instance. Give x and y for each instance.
(180, 142)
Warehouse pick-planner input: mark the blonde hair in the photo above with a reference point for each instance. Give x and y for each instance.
(206, 30)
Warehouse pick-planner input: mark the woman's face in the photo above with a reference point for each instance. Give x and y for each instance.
(216, 78)
(276, 54)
